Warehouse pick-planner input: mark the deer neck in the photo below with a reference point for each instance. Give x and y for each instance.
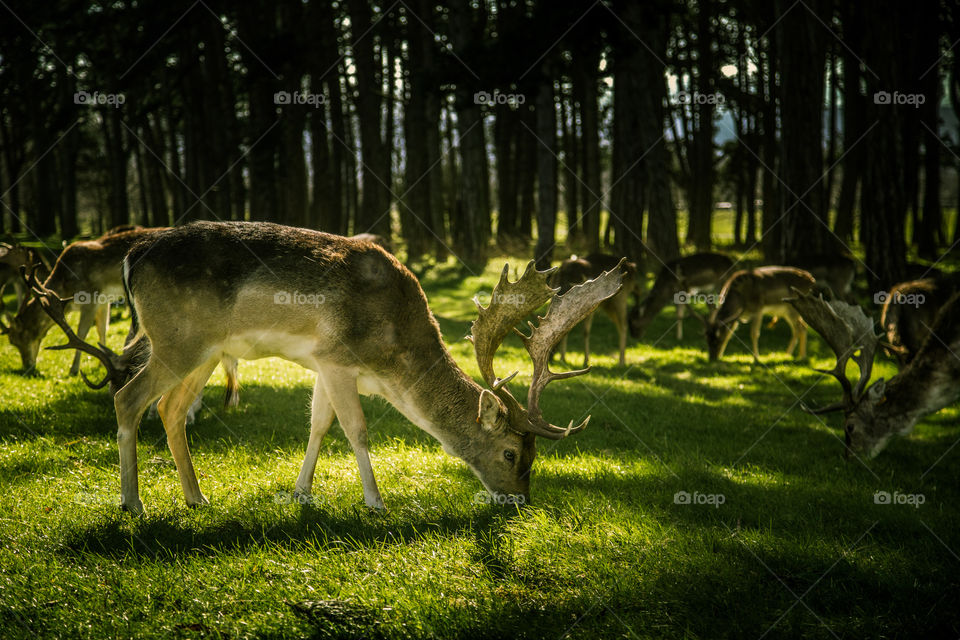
(438, 396)
(925, 386)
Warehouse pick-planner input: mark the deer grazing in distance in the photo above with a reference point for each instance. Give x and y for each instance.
(749, 294)
(121, 367)
(574, 271)
(677, 281)
(88, 272)
(88, 276)
(12, 258)
(874, 413)
(836, 270)
(351, 312)
(909, 309)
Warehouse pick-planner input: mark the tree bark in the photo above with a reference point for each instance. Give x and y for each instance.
(546, 172)
(802, 49)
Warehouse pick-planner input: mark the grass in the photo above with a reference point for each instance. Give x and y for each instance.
(798, 546)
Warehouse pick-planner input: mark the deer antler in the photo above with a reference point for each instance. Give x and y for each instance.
(513, 301)
(55, 307)
(849, 332)
(509, 304)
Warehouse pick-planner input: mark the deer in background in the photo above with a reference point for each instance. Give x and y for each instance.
(836, 270)
(909, 309)
(749, 294)
(351, 312)
(88, 272)
(684, 277)
(121, 367)
(874, 413)
(87, 276)
(13, 257)
(574, 271)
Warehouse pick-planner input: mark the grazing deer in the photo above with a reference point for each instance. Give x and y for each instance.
(873, 414)
(836, 270)
(12, 258)
(677, 280)
(351, 312)
(88, 274)
(908, 312)
(576, 271)
(748, 295)
(87, 271)
(121, 367)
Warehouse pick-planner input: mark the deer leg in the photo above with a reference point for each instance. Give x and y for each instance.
(563, 348)
(619, 316)
(798, 334)
(756, 323)
(130, 403)
(102, 322)
(173, 407)
(587, 323)
(341, 387)
(88, 313)
(793, 335)
(321, 417)
(232, 396)
(681, 312)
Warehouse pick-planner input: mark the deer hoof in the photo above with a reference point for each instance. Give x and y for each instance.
(203, 502)
(133, 508)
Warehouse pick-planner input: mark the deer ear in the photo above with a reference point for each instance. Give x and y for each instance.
(489, 409)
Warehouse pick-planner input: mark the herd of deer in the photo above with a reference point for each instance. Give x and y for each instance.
(217, 292)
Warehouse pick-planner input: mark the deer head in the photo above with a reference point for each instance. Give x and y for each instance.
(500, 413)
(850, 334)
(55, 307)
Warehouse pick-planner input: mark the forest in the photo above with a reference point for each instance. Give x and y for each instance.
(459, 127)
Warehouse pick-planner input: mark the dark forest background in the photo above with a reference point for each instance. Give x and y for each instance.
(456, 127)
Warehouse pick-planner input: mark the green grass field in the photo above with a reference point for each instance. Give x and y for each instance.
(781, 538)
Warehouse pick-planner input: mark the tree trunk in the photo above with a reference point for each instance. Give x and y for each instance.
(930, 230)
(546, 171)
(772, 205)
(473, 217)
(802, 49)
(700, 192)
(374, 213)
(883, 198)
(592, 191)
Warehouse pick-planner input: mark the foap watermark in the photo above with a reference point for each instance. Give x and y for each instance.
(897, 98)
(689, 297)
(99, 99)
(502, 499)
(513, 100)
(694, 97)
(300, 299)
(94, 498)
(512, 299)
(910, 299)
(711, 499)
(912, 499)
(285, 497)
(298, 97)
(98, 297)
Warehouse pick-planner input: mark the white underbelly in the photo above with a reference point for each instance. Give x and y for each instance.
(266, 344)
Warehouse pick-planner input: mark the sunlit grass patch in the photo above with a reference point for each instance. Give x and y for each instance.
(700, 502)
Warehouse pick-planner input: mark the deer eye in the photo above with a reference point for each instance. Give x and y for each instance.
(510, 456)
